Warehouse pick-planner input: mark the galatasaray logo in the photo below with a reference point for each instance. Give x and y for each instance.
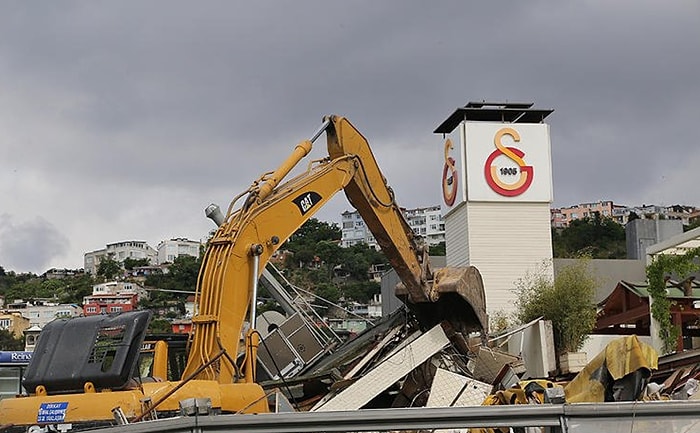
(511, 179)
(449, 176)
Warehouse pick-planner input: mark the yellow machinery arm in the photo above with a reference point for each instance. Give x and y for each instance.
(272, 212)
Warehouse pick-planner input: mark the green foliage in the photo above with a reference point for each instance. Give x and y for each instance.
(184, 272)
(76, 288)
(339, 272)
(182, 276)
(313, 235)
(329, 292)
(108, 268)
(662, 266)
(159, 326)
(9, 342)
(361, 291)
(69, 290)
(601, 238)
(312, 232)
(568, 301)
(693, 225)
(437, 250)
(130, 263)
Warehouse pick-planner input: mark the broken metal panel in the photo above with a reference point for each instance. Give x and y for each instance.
(291, 347)
(489, 362)
(388, 372)
(452, 389)
(535, 344)
(373, 352)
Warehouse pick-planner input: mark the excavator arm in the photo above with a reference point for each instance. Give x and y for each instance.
(273, 211)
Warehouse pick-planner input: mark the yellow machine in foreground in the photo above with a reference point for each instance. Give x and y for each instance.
(227, 287)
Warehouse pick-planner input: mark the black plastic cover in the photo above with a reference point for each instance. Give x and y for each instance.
(99, 349)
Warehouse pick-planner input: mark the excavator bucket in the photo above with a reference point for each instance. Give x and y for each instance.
(456, 296)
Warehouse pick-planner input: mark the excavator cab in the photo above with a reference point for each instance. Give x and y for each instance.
(103, 355)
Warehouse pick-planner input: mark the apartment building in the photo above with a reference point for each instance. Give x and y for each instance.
(119, 251)
(427, 222)
(561, 217)
(14, 323)
(171, 249)
(41, 312)
(113, 297)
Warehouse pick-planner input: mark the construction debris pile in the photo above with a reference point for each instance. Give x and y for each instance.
(397, 363)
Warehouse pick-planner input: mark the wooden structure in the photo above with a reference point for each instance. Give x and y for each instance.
(626, 310)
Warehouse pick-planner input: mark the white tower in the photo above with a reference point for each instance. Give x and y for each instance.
(497, 190)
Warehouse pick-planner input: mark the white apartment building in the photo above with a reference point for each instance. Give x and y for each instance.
(426, 222)
(119, 288)
(171, 249)
(355, 231)
(40, 315)
(119, 251)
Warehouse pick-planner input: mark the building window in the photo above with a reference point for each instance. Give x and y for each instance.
(5, 323)
(116, 309)
(91, 309)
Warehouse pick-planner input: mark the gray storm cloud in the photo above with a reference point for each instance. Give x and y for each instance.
(30, 244)
(131, 117)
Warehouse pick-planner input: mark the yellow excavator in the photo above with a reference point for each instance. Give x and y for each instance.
(82, 374)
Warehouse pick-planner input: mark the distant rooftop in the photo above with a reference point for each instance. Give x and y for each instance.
(511, 112)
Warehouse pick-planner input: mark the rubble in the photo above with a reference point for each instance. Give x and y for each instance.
(396, 363)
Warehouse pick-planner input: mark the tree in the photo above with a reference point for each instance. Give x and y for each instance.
(184, 272)
(598, 237)
(313, 231)
(9, 342)
(568, 301)
(130, 263)
(108, 268)
(329, 292)
(159, 326)
(361, 291)
(437, 250)
(76, 289)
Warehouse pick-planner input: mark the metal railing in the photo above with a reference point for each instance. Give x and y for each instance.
(634, 417)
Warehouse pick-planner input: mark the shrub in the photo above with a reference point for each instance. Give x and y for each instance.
(568, 302)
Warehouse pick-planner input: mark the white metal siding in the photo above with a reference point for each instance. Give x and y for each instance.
(505, 241)
(456, 241)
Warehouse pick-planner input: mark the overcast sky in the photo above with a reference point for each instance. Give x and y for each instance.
(122, 120)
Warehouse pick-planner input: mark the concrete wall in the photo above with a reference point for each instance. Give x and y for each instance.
(643, 233)
(609, 272)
